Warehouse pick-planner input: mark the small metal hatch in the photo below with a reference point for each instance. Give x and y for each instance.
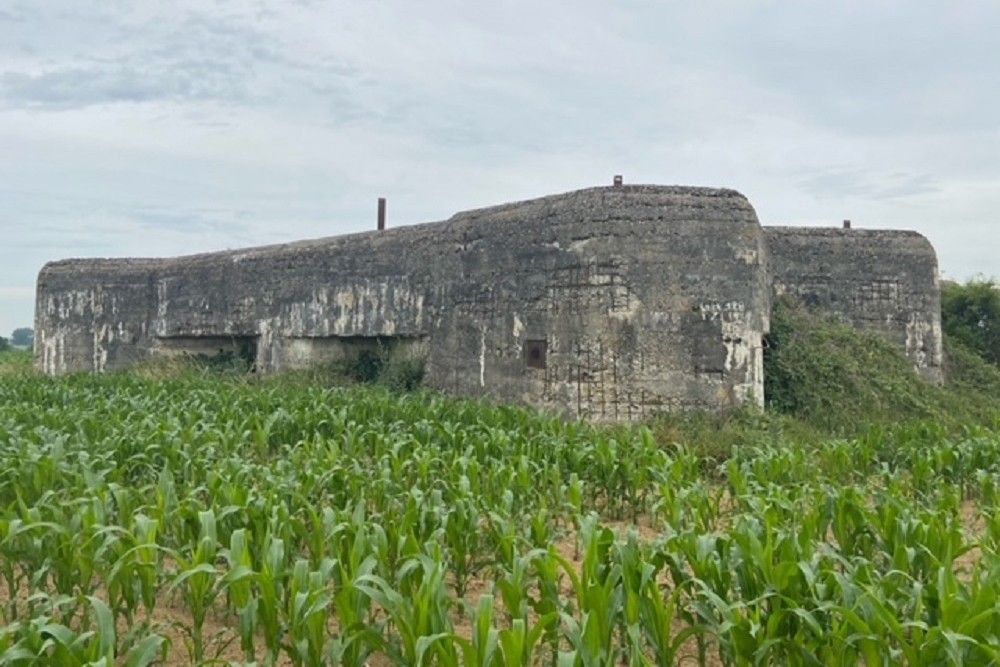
(534, 353)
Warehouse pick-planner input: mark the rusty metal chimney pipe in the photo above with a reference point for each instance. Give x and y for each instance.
(381, 213)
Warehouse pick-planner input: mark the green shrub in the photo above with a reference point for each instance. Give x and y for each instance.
(970, 316)
(367, 366)
(972, 382)
(402, 374)
(378, 367)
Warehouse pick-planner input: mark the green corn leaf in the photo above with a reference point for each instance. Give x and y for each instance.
(145, 652)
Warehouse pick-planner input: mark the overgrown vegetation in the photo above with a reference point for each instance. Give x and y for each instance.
(15, 362)
(715, 436)
(370, 367)
(381, 367)
(970, 317)
(970, 376)
(824, 378)
(822, 371)
(225, 365)
(844, 381)
(376, 368)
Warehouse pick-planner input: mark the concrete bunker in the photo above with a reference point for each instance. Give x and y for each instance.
(608, 303)
(884, 281)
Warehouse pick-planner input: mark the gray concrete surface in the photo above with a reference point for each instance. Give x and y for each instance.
(609, 303)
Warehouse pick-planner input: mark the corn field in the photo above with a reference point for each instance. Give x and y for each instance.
(196, 521)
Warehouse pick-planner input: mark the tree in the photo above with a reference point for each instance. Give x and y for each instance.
(3, 344)
(23, 337)
(970, 315)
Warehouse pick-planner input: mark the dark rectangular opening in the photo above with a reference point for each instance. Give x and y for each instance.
(237, 350)
(397, 361)
(535, 352)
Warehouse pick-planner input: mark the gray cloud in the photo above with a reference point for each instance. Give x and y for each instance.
(79, 87)
(861, 183)
(187, 57)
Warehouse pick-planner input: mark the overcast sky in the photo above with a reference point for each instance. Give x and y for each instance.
(131, 128)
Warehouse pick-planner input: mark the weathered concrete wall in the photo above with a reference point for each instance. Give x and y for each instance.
(607, 303)
(93, 314)
(878, 280)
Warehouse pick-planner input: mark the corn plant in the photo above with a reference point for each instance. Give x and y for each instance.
(200, 583)
(418, 611)
(44, 641)
(331, 526)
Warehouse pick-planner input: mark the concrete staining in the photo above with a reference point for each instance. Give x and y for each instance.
(608, 303)
(877, 280)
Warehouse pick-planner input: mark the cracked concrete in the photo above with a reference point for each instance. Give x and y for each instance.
(608, 303)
